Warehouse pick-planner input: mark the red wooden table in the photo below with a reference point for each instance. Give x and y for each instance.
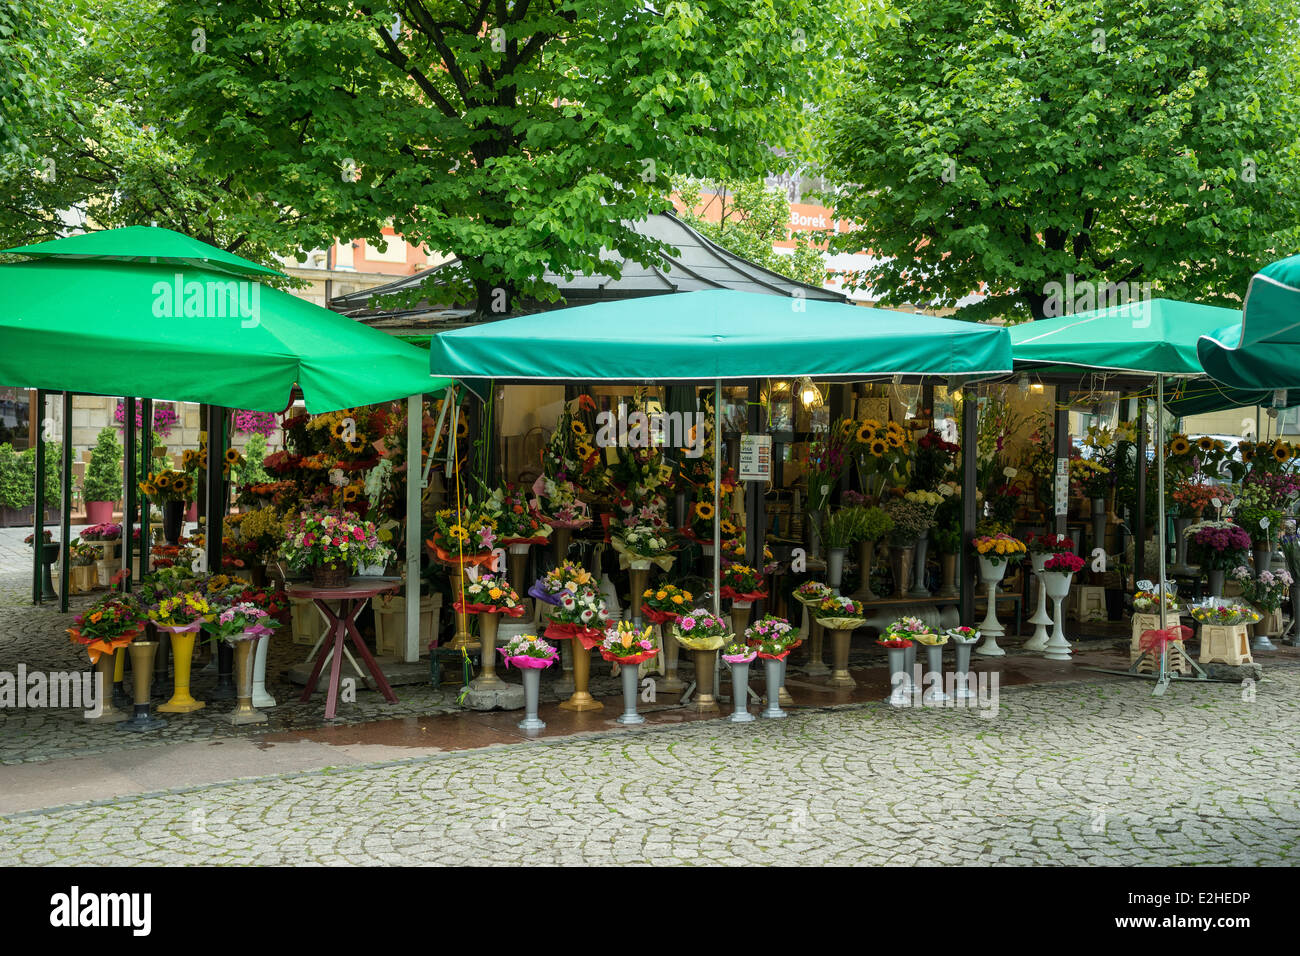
(352, 598)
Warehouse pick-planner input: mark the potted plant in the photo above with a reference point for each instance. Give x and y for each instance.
(703, 633)
(518, 528)
(810, 594)
(963, 640)
(1218, 547)
(996, 552)
(663, 605)
(841, 616)
(839, 530)
(1256, 511)
(1264, 590)
(738, 657)
(627, 645)
(240, 625)
(1056, 574)
(912, 520)
(104, 628)
(182, 615)
(772, 639)
(101, 487)
(872, 525)
(530, 654)
(489, 596)
(930, 500)
(1223, 630)
(173, 489)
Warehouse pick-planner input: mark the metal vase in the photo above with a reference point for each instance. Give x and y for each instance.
(1099, 523)
(835, 566)
(629, 674)
(245, 712)
(815, 667)
(1265, 627)
(919, 588)
(1180, 541)
(948, 568)
(866, 551)
(840, 660)
(934, 665)
(104, 668)
(532, 685)
(1216, 582)
(909, 661)
(487, 636)
(962, 674)
(900, 560)
(671, 684)
(815, 534)
(581, 699)
(773, 674)
(705, 701)
(900, 681)
(740, 694)
(1263, 559)
(142, 654)
(182, 702)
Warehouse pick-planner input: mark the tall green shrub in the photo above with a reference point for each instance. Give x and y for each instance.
(103, 481)
(17, 480)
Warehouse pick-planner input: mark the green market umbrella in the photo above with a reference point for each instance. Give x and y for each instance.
(1260, 348)
(176, 331)
(1204, 395)
(715, 335)
(144, 244)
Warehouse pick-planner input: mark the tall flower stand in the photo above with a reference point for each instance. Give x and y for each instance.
(463, 639)
(961, 669)
(900, 560)
(671, 683)
(639, 579)
(934, 665)
(835, 567)
(562, 537)
(900, 681)
(245, 712)
(142, 654)
(991, 574)
(1057, 584)
(814, 667)
(948, 568)
(104, 668)
(260, 696)
(629, 670)
(1041, 618)
(532, 687)
(840, 659)
(182, 638)
(919, 588)
(581, 640)
(704, 702)
(517, 562)
(487, 635)
(772, 668)
(866, 551)
(740, 687)
(740, 615)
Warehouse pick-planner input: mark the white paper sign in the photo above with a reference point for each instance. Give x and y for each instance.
(755, 457)
(1062, 486)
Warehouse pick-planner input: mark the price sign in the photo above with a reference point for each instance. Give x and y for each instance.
(1062, 486)
(755, 457)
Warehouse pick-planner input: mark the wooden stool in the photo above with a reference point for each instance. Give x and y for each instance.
(1225, 644)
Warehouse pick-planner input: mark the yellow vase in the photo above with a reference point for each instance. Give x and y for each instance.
(182, 656)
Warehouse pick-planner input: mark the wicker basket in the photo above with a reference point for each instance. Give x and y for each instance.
(330, 575)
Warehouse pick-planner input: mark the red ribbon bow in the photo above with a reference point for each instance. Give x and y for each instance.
(1155, 640)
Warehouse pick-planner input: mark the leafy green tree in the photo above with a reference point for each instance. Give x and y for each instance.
(520, 136)
(252, 471)
(103, 479)
(751, 218)
(29, 69)
(105, 148)
(1018, 142)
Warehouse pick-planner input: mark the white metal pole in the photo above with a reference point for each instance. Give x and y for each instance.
(717, 497)
(414, 494)
(1159, 445)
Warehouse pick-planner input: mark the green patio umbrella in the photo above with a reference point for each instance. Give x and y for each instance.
(1260, 347)
(182, 320)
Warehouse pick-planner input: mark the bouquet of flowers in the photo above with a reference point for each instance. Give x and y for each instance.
(578, 614)
(624, 644)
(559, 505)
(1147, 599)
(516, 522)
(1195, 496)
(490, 594)
(529, 650)
(1223, 614)
(836, 613)
(641, 545)
(1219, 545)
(927, 499)
(1050, 544)
(1264, 590)
(912, 521)
(106, 625)
(1090, 478)
(870, 524)
(109, 531)
(663, 604)
(1064, 561)
(963, 635)
(186, 611)
(812, 592)
(699, 630)
(826, 462)
(462, 533)
(243, 621)
(738, 653)
(913, 628)
(1256, 513)
(329, 540)
(742, 583)
(168, 485)
(555, 582)
(998, 548)
(82, 555)
(774, 637)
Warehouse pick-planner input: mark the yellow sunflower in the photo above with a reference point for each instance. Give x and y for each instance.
(150, 489)
(354, 446)
(867, 433)
(350, 493)
(728, 527)
(1247, 451)
(584, 449)
(895, 439)
(847, 427)
(338, 429)
(878, 447)
(1282, 452)
(1179, 445)
(462, 427)
(577, 427)
(457, 533)
(1205, 443)
(704, 511)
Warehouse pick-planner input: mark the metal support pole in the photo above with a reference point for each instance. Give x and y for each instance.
(414, 494)
(215, 491)
(65, 520)
(717, 497)
(969, 515)
(755, 492)
(36, 435)
(1061, 438)
(146, 467)
(1162, 683)
(1140, 519)
(129, 477)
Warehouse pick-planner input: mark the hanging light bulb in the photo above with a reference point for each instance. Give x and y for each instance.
(809, 393)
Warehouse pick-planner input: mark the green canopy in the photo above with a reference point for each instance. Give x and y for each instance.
(1154, 336)
(1204, 395)
(117, 325)
(1260, 348)
(718, 334)
(149, 244)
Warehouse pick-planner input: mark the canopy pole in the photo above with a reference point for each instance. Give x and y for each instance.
(1162, 682)
(414, 495)
(717, 497)
(130, 467)
(969, 511)
(1140, 518)
(146, 467)
(65, 519)
(36, 439)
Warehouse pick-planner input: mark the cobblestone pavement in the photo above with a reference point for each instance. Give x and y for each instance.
(1064, 774)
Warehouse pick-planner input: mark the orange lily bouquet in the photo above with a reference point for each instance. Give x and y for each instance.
(106, 625)
(624, 644)
(490, 594)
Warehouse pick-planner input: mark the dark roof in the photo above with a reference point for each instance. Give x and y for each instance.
(699, 264)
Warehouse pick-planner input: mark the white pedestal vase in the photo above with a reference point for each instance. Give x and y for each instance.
(631, 685)
(991, 574)
(773, 674)
(260, 697)
(934, 693)
(961, 670)
(900, 681)
(1057, 584)
(835, 567)
(740, 694)
(1040, 620)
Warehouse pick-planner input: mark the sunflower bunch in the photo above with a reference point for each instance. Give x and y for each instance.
(233, 459)
(1267, 457)
(469, 530)
(168, 485)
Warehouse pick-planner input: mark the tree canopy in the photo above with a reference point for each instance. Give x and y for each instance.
(1021, 143)
(519, 135)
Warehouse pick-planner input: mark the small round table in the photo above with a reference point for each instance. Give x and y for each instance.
(352, 598)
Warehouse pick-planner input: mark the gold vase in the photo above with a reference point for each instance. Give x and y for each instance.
(639, 579)
(487, 635)
(245, 712)
(866, 551)
(840, 660)
(671, 684)
(142, 657)
(948, 567)
(581, 699)
(182, 656)
(562, 537)
(518, 562)
(901, 560)
(816, 635)
(463, 639)
(704, 702)
(104, 668)
(739, 620)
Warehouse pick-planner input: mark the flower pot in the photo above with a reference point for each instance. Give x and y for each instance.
(919, 588)
(105, 668)
(671, 684)
(815, 667)
(1216, 582)
(182, 702)
(99, 512)
(1057, 585)
(740, 694)
(961, 670)
(815, 534)
(532, 684)
(173, 521)
(773, 674)
(260, 697)
(840, 660)
(487, 636)
(900, 679)
(245, 712)
(704, 702)
(1041, 619)
(835, 566)
(142, 655)
(629, 673)
(900, 562)
(866, 551)
(330, 575)
(934, 665)
(1180, 542)
(948, 569)
(991, 573)
(1263, 559)
(1268, 625)
(581, 698)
